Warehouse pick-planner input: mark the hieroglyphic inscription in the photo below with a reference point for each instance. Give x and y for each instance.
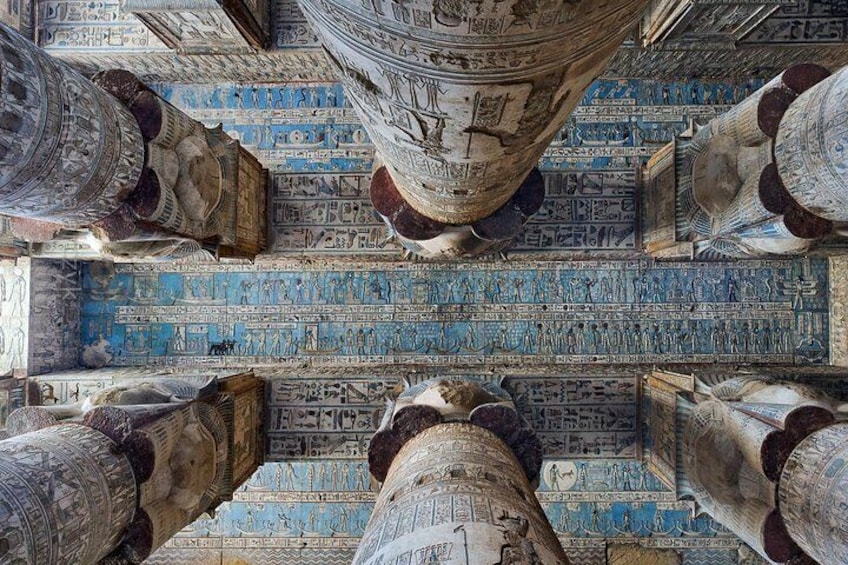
(805, 21)
(838, 312)
(54, 323)
(67, 495)
(435, 492)
(15, 299)
(620, 312)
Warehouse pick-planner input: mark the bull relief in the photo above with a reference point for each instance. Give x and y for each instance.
(461, 99)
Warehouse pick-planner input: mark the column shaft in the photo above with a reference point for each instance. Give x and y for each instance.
(66, 496)
(811, 148)
(813, 494)
(462, 98)
(456, 493)
(69, 152)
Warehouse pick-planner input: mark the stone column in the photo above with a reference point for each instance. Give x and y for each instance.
(813, 494)
(762, 457)
(457, 462)
(140, 461)
(462, 98)
(198, 184)
(67, 495)
(811, 148)
(128, 174)
(766, 178)
(456, 493)
(69, 152)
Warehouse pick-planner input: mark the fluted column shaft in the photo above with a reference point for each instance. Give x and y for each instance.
(69, 152)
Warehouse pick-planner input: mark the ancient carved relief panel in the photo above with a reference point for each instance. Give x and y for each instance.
(98, 36)
(208, 27)
(804, 21)
(14, 314)
(317, 511)
(839, 303)
(15, 392)
(623, 312)
(290, 27)
(79, 25)
(310, 417)
(18, 14)
(54, 326)
(695, 21)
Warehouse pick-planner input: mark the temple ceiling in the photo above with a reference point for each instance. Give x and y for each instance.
(729, 41)
(335, 321)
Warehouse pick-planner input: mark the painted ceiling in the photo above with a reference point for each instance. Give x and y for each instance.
(334, 319)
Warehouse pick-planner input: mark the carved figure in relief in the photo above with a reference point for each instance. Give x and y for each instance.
(518, 550)
(429, 134)
(801, 289)
(450, 13)
(543, 101)
(191, 467)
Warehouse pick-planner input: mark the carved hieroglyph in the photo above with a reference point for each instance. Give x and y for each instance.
(696, 24)
(69, 152)
(811, 148)
(457, 494)
(68, 496)
(838, 305)
(813, 494)
(15, 300)
(462, 98)
(206, 26)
